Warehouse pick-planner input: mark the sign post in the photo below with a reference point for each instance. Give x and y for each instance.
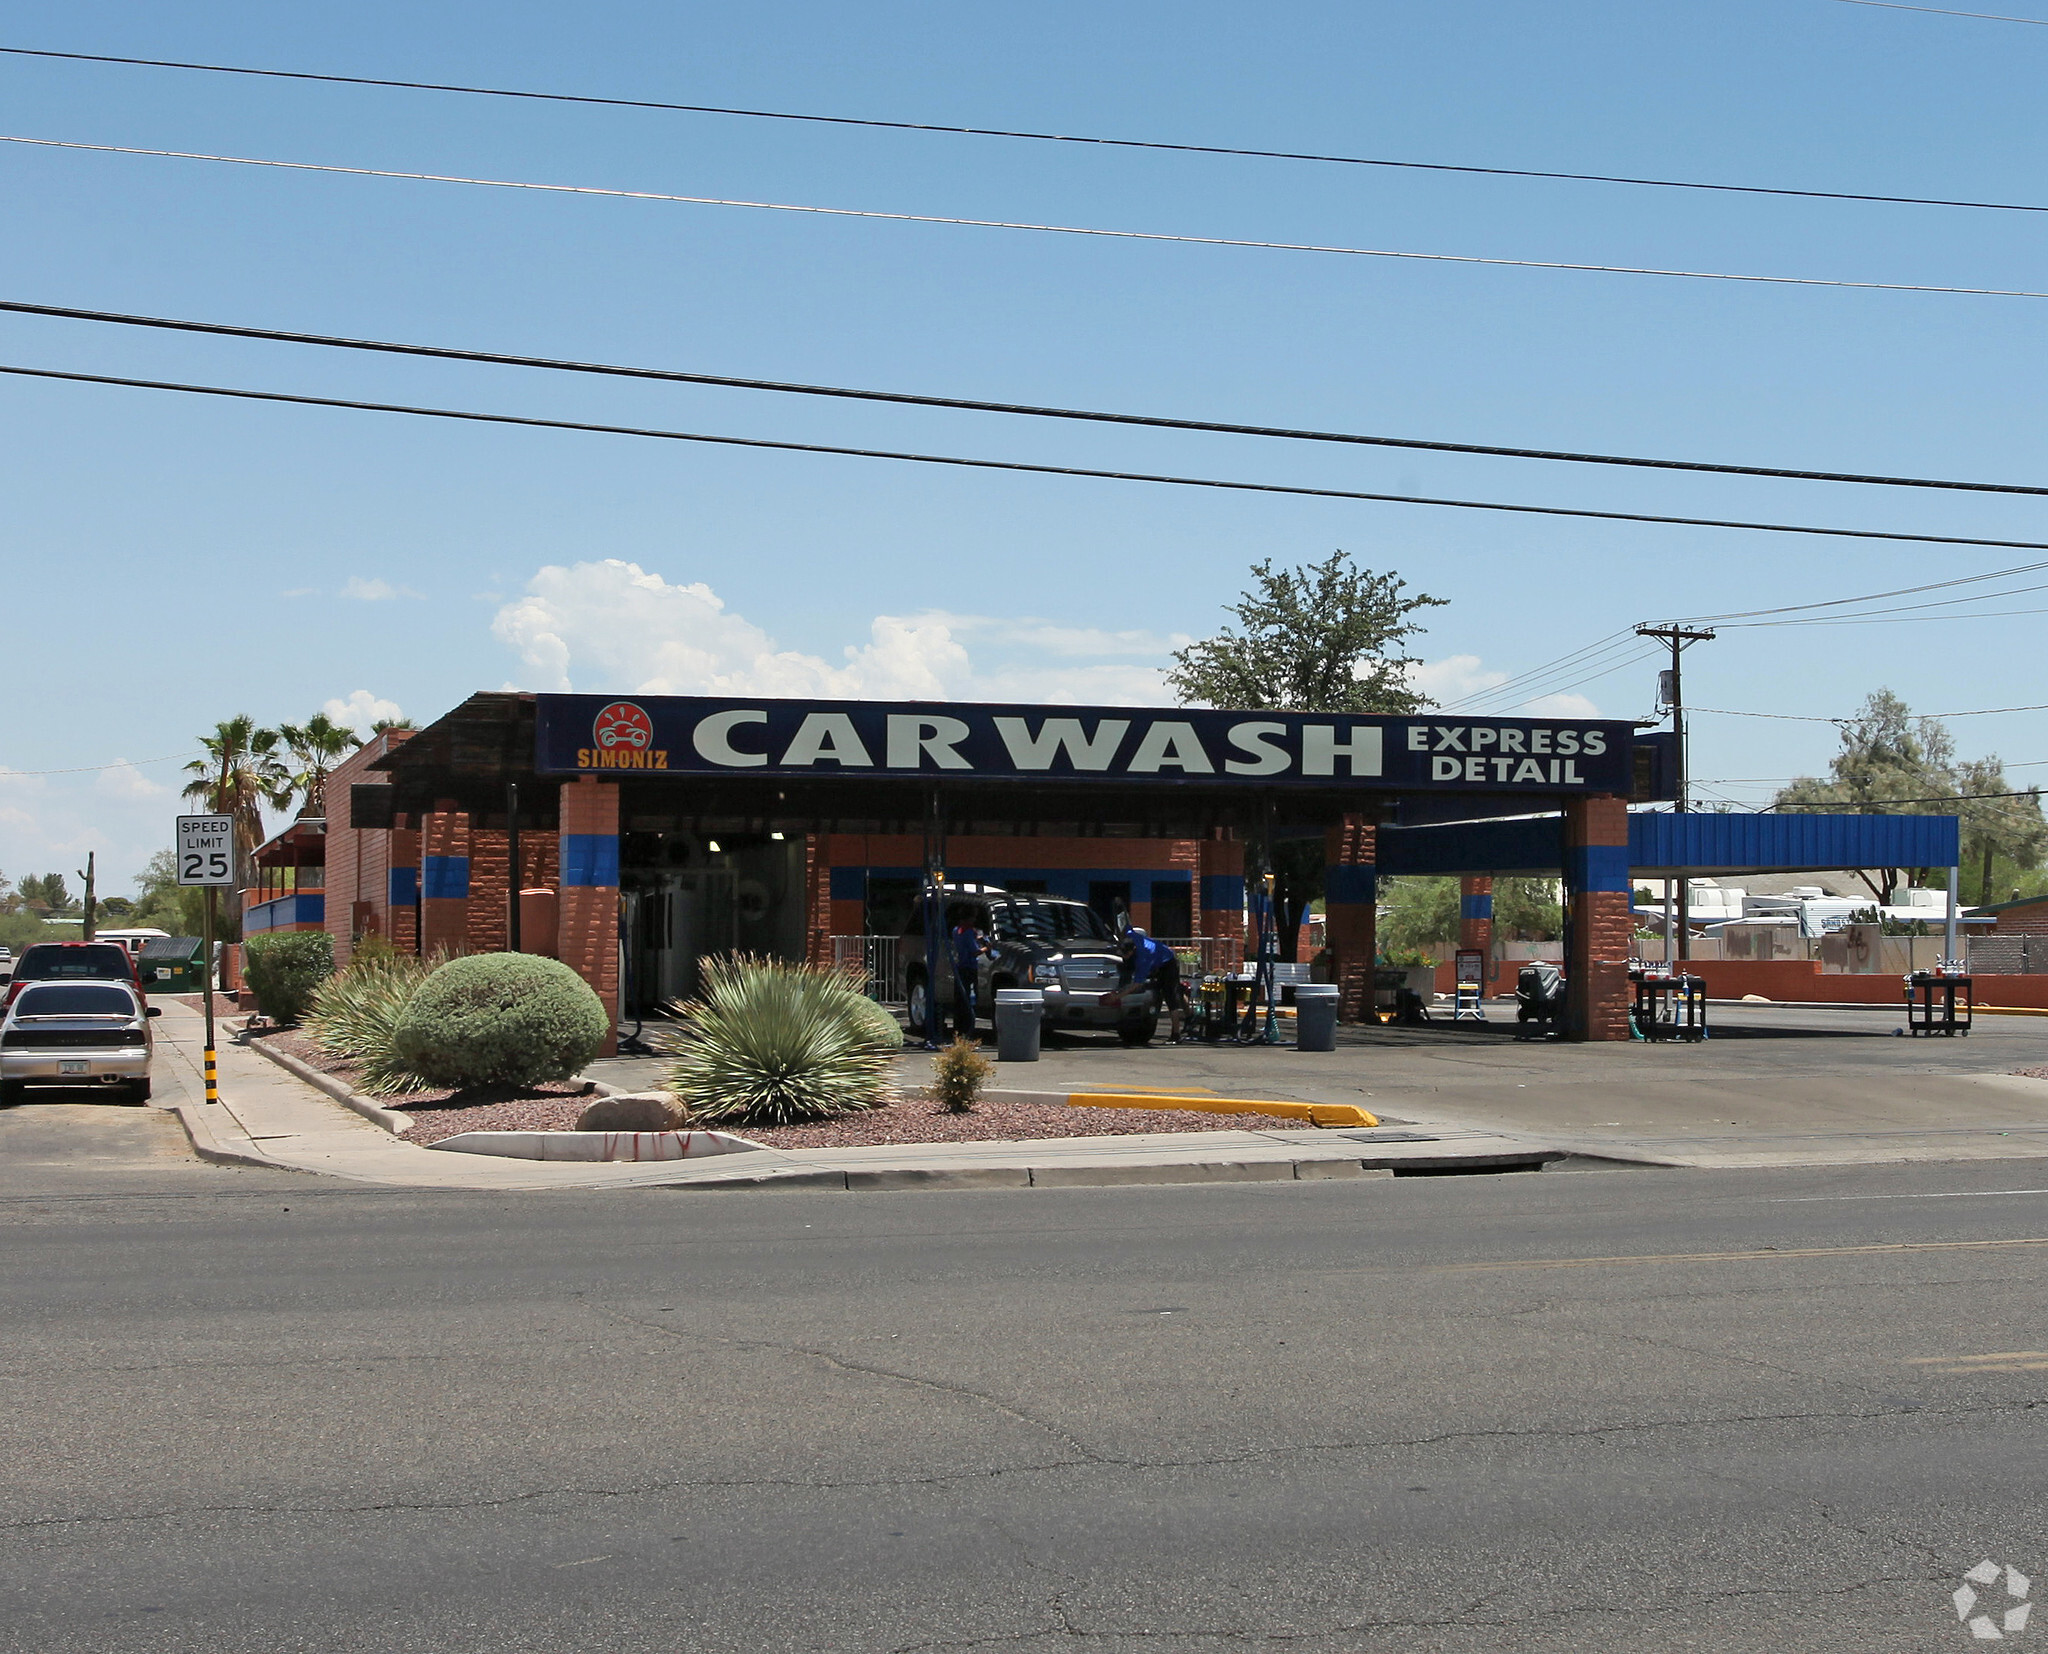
(206, 856)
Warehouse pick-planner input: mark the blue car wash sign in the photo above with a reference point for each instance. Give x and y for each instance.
(648, 736)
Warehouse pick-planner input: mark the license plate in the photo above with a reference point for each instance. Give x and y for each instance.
(71, 1067)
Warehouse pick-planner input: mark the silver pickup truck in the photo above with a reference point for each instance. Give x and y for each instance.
(1061, 947)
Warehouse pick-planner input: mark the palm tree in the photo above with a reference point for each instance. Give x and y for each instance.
(240, 773)
(318, 744)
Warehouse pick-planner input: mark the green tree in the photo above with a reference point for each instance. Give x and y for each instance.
(1892, 763)
(384, 724)
(316, 746)
(2008, 831)
(48, 895)
(241, 773)
(1325, 638)
(1423, 913)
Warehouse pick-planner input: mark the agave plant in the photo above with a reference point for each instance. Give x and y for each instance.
(355, 1016)
(772, 1043)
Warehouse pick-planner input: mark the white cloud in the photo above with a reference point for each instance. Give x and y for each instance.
(360, 710)
(122, 780)
(1456, 677)
(1452, 678)
(374, 591)
(614, 625)
(1560, 706)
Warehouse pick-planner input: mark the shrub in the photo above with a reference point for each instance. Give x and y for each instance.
(355, 1015)
(283, 969)
(500, 1019)
(772, 1043)
(958, 1074)
(876, 1024)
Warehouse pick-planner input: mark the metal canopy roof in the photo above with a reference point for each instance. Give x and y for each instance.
(1695, 844)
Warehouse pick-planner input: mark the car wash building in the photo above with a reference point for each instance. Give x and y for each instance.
(633, 837)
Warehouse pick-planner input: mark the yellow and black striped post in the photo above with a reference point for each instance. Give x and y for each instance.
(206, 982)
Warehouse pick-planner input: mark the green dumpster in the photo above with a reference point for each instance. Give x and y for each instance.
(171, 965)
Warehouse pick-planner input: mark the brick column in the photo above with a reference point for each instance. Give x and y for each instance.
(1219, 892)
(1596, 874)
(1475, 916)
(490, 890)
(589, 940)
(444, 879)
(1350, 908)
(402, 892)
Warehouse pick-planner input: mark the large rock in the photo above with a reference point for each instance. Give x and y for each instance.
(635, 1111)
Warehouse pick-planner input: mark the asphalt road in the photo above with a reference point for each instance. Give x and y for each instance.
(1559, 1411)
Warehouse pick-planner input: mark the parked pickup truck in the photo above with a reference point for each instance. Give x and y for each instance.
(1061, 947)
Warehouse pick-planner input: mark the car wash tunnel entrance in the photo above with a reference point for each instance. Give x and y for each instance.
(634, 838)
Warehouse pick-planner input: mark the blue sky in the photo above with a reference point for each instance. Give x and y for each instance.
(169, 561)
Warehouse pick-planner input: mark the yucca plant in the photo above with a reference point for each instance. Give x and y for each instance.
(772, 1043)
(355, 1016)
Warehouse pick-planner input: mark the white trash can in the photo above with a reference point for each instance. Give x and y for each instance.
(1315, 1016)
(1019, 1013)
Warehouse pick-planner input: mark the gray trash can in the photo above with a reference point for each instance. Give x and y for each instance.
(1315, 1016)
(1019, 1012)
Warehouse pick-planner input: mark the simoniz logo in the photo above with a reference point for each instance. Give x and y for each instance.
(625, 741)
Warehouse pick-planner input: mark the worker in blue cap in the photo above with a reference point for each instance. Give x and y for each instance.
(1156, 966)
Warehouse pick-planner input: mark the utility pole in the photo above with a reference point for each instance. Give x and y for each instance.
(91, 905)
(1672, 693)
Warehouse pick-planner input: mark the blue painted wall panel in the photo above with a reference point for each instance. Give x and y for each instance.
(1351, 885)
(589, 859)
(405, 886)
(445, 877)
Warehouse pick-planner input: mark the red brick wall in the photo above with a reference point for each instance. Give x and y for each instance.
(2031, 920)
(1603, 928)
(1351, 929)
(358, 863)
(589, 942)
(1476, 933)
(446, 918)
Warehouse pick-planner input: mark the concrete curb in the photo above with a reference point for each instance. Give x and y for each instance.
(390, 1119)
(199, 1132)
(1050, 1177)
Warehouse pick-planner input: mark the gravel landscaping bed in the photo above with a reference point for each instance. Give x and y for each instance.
(913, 1120)
(573, 1098)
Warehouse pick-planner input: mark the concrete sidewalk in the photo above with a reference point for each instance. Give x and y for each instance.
(268, 1117)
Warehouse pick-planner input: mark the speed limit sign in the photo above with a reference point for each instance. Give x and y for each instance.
(206, 850)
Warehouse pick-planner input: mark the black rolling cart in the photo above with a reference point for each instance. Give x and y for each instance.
(1938, 1003)
(1670, 1006)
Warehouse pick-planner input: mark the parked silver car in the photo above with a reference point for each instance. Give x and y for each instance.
(77, 1034)
(1064, 948)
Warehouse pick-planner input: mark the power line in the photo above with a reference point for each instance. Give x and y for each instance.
(476, 417)
(1043, 229)
(1943, 11)
(1808, 718)
(974, 405)
(1036, 137)
(83, 769)
(1868, 597)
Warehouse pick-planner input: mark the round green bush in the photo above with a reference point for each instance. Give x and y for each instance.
(500, 1019)
(284, 968)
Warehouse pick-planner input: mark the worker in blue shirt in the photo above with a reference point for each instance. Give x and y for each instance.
(1156, 966)
(968, 948)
